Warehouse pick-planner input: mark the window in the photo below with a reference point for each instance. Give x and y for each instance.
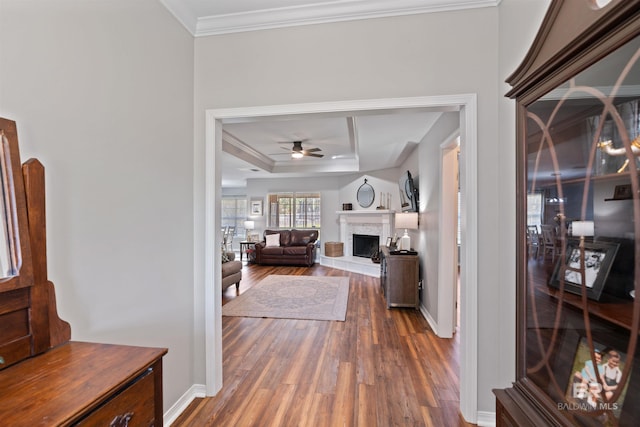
(294, 210)
(534, 209)
(234, 213)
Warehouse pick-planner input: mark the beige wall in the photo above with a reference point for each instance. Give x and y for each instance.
(102, 94)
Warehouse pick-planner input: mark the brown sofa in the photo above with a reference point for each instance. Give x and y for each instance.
(231, 271)
(294, 247)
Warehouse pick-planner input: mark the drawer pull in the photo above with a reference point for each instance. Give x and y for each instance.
(121, 420)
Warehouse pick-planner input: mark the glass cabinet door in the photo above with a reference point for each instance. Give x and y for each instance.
(580, 160)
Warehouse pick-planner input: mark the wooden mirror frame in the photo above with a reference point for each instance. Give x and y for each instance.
(14, 197)
(28, 291)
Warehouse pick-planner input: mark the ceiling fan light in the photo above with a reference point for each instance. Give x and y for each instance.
(297, 155)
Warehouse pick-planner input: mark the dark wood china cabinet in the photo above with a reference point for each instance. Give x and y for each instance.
(45, 378)
(577, 97)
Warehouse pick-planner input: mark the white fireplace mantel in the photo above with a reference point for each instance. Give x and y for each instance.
(379, 212)
(377, 222)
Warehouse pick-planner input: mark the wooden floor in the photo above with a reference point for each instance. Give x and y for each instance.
(378, 368)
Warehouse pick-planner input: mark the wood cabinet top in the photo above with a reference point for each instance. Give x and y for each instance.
(69, 381)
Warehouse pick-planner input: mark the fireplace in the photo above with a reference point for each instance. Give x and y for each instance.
(365, 245)
(372, 223)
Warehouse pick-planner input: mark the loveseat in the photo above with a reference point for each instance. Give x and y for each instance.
(287, 247)
(231, 270)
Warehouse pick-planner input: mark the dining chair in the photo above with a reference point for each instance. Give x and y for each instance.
(533, 241)
(231, 231)
(549, 242)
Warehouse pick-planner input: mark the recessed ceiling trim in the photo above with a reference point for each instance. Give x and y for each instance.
(352, 127)
(314, 166)
(232, 145)
(318, 13)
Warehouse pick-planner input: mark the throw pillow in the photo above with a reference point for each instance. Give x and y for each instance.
(225, 257)
(272, 240)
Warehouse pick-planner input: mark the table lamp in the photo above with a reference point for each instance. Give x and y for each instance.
(582, 229)
(248, 226)
(407, 220)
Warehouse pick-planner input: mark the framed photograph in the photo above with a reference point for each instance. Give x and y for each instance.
(598, 257)
(389, 239)
(256, 207)
(622, 192)
(592, 387)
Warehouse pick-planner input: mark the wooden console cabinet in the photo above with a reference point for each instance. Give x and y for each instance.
(399, 277)
(46, 379)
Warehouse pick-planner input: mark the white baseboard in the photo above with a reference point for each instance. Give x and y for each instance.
(486, 419)
(430, 320)
(196, 390)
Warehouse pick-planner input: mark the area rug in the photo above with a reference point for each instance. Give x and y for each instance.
(293, 297)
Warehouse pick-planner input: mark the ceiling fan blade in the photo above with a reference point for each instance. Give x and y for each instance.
(311, 150)
(314, 155)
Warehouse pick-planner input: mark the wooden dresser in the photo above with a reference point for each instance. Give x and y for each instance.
(46, 379)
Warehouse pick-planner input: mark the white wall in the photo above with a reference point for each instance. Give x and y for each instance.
(102, 94)
(385, 187)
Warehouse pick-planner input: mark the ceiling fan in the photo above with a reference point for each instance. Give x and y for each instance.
(298, 152)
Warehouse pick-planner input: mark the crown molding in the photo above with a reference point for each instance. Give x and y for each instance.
(319, 13)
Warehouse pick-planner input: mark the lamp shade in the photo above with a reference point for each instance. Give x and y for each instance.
(249, 225)
(407, 220)
(582, 228)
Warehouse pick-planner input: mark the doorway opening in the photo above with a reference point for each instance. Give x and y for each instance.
(466, 105)
(448, 251)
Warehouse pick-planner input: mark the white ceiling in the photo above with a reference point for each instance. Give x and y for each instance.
(260, 148)
(349, 144)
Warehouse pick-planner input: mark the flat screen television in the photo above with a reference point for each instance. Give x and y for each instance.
(408, 193)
